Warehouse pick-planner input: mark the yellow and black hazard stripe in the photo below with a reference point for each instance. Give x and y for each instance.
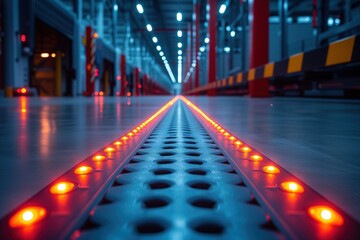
(339, 52)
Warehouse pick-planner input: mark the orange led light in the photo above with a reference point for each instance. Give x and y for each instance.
(232, 138)
(245, 149)
(83, 170)
(62, 187)
(118, 143)
(135, 131)
(271, 169)
(27, 216)
(238, 143)
(256, 158)
(109, 150)
(226, 134)
(23, 90)
(326, 215)
(98, 158)
(222, 130)
(291, 187)
(124, 138)
(23, 110)
(130, 134)
(218, 128)
(138, 128)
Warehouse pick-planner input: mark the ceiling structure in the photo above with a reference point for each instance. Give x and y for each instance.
(161, 15)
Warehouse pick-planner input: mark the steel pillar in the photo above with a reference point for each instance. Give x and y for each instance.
(283, 14)
(137, 81)
(212, 44)
(123, 74)
(197, 38)
(259, 44)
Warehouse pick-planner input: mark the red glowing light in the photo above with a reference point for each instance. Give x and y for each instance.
(27, 216)
(326, 215)
(128, 94)
(101, 93)
(96, 72)
(23, 38)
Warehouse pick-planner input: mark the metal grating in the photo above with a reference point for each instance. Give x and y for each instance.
(178, 185)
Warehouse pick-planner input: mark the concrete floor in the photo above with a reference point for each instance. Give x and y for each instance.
(318, 140)
(41, 138)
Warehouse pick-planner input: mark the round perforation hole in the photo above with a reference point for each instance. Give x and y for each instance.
(191, 148)
(164, 154)
(203, 202)
(197, 171)
(169, 147)
(203, 185)
(193, 154)
(135, 160)
(140, 153)
(195, 162)
(159, 184)
(151, 226)
(155, 202)
(207, 227)
(165, 161)
(162, 171)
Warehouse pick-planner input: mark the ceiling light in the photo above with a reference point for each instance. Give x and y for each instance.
(207, 40)
(158, 48)
(222, 8)
(161, 53)
(179, 33)
(140, 8)
(179, 16)
(179, 57)
(232, 33)
(202, 49)
(179, 52)
(163, 58)
(149, 27)
(179, 45)
(155, 40)
(116, 7)
(227, 49)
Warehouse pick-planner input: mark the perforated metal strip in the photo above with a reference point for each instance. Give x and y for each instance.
(178, 185)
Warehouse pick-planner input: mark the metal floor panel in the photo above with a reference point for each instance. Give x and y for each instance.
(180, 175)
(178, 185)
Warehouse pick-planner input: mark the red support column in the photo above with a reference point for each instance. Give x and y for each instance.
(197, 33)
(259, 44)
(90, 61)
(123, 74)
(137, 81)
(144, 85)
(212, 45)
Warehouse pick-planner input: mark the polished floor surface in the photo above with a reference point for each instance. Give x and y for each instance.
(41, 138)
(318, 140)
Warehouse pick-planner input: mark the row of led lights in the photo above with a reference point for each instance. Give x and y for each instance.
(323, 214)
(30, 215)
(149, 28)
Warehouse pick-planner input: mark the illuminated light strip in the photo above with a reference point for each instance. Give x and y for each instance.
(53, 212)
(295, 208)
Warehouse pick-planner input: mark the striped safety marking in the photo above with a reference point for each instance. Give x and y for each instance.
(294, 207)
(342, 51)
(58, 209)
